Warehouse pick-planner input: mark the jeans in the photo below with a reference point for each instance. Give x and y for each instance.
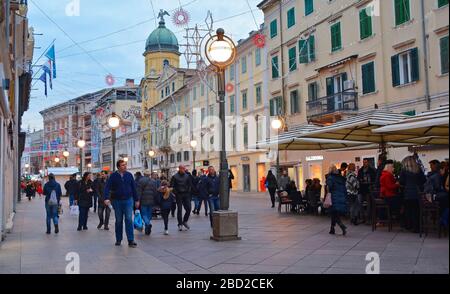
(95, 202)
(183, 200)
(106, 211)
(336, 219)
(197, 202)
(147, 213)
(354, 206)
(165, 215)
(71, 199)
(52, 214)
(272, 195)
(123, 210)
(214, 205)
(83, 217)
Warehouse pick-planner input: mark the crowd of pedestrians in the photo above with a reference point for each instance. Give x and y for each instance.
(125, 194)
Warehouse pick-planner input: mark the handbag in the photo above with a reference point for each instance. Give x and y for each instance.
(328, 202)
(74, 210)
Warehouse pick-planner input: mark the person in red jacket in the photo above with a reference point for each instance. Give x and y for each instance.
(389, 188)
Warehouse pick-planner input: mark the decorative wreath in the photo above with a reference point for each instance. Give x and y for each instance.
(259, 40)
(109, 79)
(181, 17)
(229, 88)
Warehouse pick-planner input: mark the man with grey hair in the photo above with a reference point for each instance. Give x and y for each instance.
(147, 190)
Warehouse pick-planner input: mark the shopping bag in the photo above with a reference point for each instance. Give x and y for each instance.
(60, 209)
(328, 202)
(138, 222)
(74, 210)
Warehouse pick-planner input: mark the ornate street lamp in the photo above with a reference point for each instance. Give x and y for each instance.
(277, 124)
(81, 144)
(113, 124)
(194, 144)
(152, 154)
(220, 51)
(66, 156)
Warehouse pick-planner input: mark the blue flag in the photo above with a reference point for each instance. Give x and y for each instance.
(47, 70)
(51, 55)
(43, 78)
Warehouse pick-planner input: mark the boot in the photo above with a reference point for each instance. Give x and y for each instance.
(56, 229)
(343, 228)
(332, 231)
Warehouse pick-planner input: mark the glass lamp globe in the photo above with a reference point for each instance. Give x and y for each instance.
(114, 121)
(125, 159)
(151, 153)
(81, 143)
(220, 51)
(277, 124)
(193, 143)
(66, 153)
(56, 159)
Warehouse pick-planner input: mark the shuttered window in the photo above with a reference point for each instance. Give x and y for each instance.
(273, 29)
(405, 67)
(402, 11)
(275, 71)
(309, 7)
(307, 50)
(291, 17)
(368, 77)
(444, 55)
(292, 58)
(365, 23)
(336, 41)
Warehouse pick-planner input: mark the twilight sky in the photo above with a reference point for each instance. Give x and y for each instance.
(112, 36)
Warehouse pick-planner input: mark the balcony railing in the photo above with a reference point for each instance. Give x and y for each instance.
(337, 103)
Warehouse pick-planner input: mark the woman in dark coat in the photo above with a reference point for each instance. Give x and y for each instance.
(412, 180)
(84, 200)
(30, 191)
(336, 187)
(272, 186)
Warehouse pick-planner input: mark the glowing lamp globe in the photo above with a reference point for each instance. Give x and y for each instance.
(81, 143)
(220, 50)
(114, 121)
(277, 124)
(56, 159)
(194, 143)
(151, 153)
(66, 153)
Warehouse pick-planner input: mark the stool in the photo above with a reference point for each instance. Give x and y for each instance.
(378, 204)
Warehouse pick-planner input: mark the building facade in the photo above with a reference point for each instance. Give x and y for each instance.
(32, 155)
(16, 55)
(330, 60)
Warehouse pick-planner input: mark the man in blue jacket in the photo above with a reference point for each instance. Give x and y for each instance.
(213, 189)
(52, 208)
(121, 189)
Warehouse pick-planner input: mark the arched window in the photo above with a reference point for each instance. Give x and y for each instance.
(166, 62)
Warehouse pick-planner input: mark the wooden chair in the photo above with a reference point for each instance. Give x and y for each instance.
(284, 200)
(429, 217)
(378, 204)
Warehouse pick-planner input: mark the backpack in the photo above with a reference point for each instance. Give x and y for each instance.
(53, 200)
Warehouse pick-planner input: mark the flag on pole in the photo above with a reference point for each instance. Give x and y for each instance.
(47, 69)
(51, 55)
(43, 78)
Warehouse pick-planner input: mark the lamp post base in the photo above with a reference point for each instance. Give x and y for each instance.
(225, 226)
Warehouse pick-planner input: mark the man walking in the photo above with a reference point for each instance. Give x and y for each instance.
(121, 189)
(147, 190)
(103, 210)
(71, 187)
(181, 183)
(52, 192)
(284, 181)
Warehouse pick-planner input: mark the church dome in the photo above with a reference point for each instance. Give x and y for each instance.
(162, 39)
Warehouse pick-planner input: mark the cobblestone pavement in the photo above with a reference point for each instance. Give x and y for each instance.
(271, 243)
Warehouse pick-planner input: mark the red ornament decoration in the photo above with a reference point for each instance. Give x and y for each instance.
(259, 40)
(180, 17)
(160, 115)
(61, 132)
(109, 79)
(229, 88)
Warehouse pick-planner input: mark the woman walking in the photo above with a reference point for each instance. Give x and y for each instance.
(338, 193)
(352, 185)
(412, 180)
(84, 200)
(272, 186)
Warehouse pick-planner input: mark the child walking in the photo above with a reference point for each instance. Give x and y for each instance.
(166, 198)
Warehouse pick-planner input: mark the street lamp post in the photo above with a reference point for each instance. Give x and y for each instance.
(152, 154)
(277, 124)
(220, 50)
(113, 123)
(81, 143)
(193, 145)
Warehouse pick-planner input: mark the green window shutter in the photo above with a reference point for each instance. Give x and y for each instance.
(368, 77)
(395, 63)
(275, 72)
(293, 59)
(312, 48)
(336, 42)
(415, 71)
(273, 29)
(291, 17)
(232, 104)
(272, 107)
(244, 101)
(280, 106)
(302, 47)
(258, 95)
(402, 11)
(294, 102)
(365, 24)
(444, 54)
(330, 86)
(442, 3)
(309, 7)
(258, 56)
